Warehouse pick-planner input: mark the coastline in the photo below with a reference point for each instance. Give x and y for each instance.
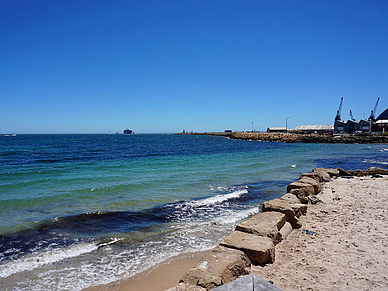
(347, 252)
(298, 138)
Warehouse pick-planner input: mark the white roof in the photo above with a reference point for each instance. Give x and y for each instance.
(315, 127)
(382, 121)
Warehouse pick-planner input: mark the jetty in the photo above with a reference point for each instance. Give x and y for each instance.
(299, 138)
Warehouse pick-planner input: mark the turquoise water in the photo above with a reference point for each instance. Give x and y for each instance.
(83, 210)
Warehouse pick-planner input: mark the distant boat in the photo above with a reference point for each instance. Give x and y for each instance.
(14, 134)
(128, 131)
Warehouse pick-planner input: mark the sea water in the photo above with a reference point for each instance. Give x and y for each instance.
(84, 210)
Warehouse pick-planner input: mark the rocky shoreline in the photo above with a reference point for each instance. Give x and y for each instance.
(299, 138)
(253, 242)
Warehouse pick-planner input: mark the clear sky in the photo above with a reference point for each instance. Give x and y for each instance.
(164, 66)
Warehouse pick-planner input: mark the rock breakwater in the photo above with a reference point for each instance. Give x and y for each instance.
(300, 138)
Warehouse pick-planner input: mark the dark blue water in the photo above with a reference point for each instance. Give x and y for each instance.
(98, 206)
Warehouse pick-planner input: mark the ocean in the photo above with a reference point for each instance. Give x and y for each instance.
(84, 210)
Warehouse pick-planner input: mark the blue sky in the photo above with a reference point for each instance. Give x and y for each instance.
(163, 66)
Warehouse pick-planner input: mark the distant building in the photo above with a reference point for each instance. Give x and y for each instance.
(276, 129)
(314, 129)
(352, 126)
(382, 121)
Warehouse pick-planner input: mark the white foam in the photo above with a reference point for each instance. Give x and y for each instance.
(34, 261)
(220, 198)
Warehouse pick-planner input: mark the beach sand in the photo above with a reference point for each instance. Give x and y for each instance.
(348, 252)
(350, 249)
(161, 278)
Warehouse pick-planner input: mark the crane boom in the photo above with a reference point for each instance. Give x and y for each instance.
(338, 116)
(373, 112)
(351, 115)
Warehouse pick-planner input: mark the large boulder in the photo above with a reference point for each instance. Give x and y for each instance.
(376, 171)
(314, 176)
(259, 249)
(317, 186)
(292, 210)
(265, 224)
(323, 173)
(343, 173)
(220, 266)
(360, 173)
(290, 198)
(301, 190)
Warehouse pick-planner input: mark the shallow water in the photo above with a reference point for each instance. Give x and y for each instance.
(82, 210)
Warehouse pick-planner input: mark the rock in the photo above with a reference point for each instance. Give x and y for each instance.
(220, 266)
(186, 287)
(265, 224)
(286, 230)
(343, 173)
(292, 210)
(314, 176)
(259, 249)
(249, 282)
(332, 172)
(317, 186)
(360, 173)
(303, 190)
(375, 170)
(290, 198)
(351, 172)
(322, 172)
(314, 200)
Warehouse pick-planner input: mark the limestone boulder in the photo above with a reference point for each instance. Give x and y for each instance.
(292, 210)
(302, 190)
(290, 198)
(322, 172)
(317, 186)
(343, 173)
(360, 173)
(265, 224)
(376, 171)
(220, 266)
(286, 230)
(259, 249)
(314, 176)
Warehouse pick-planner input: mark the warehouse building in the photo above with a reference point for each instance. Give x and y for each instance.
(382, 122)
(322, 129)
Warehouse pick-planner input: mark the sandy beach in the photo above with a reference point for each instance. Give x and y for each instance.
(346, 247)
(350, 248)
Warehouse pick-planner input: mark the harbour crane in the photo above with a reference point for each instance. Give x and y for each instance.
(338, 116)
(351, 115)
(373, 112)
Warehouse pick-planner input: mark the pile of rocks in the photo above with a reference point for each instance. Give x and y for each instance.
(309, 138)
(254, 240)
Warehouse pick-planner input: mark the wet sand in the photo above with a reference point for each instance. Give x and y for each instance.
(161, 278)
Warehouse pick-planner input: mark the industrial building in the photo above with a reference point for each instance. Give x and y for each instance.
(382, 122)
(323, 129)
(362, 126)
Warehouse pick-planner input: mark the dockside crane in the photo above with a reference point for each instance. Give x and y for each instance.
(373, 112)
(351, 115)
(338, 116)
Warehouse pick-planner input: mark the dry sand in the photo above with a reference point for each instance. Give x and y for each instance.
(350, 250)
